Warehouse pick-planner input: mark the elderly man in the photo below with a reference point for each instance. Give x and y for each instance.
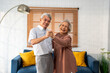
(41, 40)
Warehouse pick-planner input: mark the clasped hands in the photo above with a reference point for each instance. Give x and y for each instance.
(49, 34)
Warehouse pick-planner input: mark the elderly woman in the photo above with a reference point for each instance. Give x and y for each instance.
(64, 61)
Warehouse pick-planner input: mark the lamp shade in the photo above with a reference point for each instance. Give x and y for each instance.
(23, 8)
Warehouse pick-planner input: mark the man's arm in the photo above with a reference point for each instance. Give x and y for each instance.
(38, 40)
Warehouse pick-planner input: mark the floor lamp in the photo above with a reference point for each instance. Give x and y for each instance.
(21, 8)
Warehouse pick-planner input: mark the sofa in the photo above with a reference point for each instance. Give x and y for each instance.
(16, 65)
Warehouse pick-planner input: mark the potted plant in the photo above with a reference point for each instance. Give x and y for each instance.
(104, 63)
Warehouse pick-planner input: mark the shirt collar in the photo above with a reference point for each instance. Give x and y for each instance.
(40, 27)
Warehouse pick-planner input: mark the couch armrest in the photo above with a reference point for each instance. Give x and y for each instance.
(93, 64)
(16, 63)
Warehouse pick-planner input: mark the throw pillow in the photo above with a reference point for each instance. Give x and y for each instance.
(80, 58)
(28, 58)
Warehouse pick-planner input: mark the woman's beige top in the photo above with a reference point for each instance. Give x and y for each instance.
(64, 60)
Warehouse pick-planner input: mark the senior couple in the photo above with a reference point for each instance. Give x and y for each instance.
(43, 40)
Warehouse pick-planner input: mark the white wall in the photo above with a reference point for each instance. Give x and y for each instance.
(92, 26)
(109, 29)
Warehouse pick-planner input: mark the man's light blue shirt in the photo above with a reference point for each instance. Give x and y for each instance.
(45, 46)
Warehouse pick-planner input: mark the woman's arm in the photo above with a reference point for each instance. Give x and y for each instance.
(63, 42)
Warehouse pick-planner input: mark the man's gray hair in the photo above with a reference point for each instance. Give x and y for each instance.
(46, 14)
(68, 23)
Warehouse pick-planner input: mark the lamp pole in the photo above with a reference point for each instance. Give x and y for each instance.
(21, 8)
(7, 12)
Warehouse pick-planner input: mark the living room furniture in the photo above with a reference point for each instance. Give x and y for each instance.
(16, 65)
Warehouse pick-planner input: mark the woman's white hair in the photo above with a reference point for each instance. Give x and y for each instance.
(69, 28)
(46, 14)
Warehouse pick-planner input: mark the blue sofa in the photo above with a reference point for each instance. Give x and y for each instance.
(16, 65)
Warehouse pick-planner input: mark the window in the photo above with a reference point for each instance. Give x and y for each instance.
(58, 15)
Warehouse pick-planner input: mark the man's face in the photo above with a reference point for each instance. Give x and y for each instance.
(45, 21)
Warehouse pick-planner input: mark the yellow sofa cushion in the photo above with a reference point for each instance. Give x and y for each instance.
(28, 58)
(80, 58)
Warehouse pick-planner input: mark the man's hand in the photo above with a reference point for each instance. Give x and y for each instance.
(52, 35)
(49, 34)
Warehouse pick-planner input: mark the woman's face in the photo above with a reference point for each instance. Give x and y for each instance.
(64, 28)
